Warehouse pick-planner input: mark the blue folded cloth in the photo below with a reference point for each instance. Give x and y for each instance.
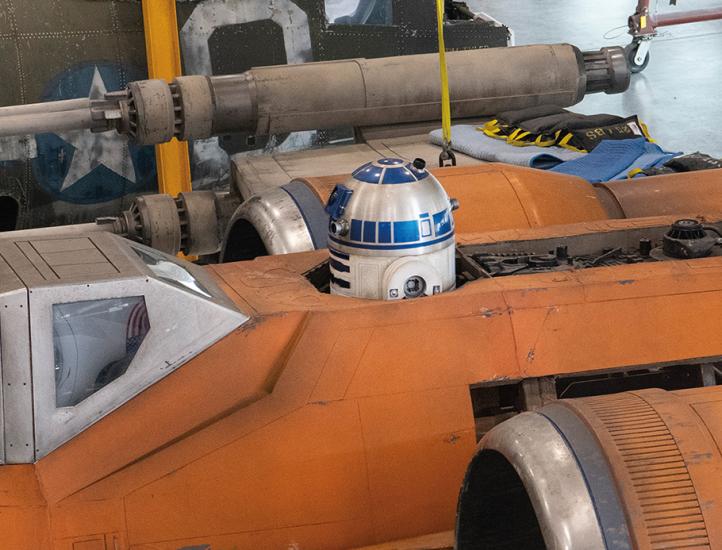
(615, 159)
(467, 139)
(653, 156)
(607, 160)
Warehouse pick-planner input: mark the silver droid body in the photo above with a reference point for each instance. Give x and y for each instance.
(391, 233)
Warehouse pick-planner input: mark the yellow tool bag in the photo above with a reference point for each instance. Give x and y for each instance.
(548, 125)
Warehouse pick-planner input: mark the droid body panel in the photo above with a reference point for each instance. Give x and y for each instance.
(391, 233)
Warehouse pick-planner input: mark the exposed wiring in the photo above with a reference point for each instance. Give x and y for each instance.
(621, 30)
(606, 255)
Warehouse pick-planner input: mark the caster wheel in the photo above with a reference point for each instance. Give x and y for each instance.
(631, 52)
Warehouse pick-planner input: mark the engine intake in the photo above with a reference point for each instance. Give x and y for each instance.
(631, 470)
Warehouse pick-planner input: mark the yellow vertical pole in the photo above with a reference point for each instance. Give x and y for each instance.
(164, 62)
(443, 68)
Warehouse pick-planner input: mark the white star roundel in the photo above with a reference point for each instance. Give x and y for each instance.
(83, 167)
(108, 149)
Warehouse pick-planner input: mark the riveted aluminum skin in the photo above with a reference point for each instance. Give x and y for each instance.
(97, 266)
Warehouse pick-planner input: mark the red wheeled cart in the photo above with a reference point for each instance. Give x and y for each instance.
(644, 23)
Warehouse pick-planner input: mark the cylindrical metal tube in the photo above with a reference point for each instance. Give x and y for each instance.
(648, 462)
(234, 103)
(37, 122)
(199, 221)
(46, 107)
(395, 90)
(682, 18)
(603, 71)
(370, 92)
(356, 92)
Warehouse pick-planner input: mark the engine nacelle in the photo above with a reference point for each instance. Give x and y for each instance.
(637, 469)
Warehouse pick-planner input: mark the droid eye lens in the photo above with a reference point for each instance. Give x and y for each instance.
(414, 287)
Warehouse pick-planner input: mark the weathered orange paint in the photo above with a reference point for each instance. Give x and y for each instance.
(24, 521)
(437, 541)
(501, 196)
(329, 422)
(496, 197)
(663, 449)
(690, 193)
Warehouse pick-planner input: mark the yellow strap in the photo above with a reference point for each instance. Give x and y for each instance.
(634, 172)
(565, 143)
(540, 142)
(511, 137)
(491, 129)
(566, 139)
(490, 126)
(518, 139)
(445, 99)
(645, 131)
(494, 133)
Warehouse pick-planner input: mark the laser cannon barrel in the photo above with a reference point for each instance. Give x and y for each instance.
(356, 93)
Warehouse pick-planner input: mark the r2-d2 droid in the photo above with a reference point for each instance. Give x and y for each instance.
(391, 233)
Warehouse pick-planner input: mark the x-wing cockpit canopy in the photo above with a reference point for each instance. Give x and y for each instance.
(88, 322)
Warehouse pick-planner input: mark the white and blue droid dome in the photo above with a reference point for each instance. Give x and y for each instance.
(391, 233)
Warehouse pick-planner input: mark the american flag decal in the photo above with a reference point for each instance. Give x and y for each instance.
(138, 327)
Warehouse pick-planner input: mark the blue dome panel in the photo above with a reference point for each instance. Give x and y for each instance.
(369, 173)
(398, 175)
(389, 171)
(390, 162)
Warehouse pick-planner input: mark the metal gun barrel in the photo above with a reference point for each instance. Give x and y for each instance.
(37, 122)
(371, 92)
(46, 107)
(349, 93)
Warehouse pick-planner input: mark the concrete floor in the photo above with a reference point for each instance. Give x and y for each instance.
(677, 95)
